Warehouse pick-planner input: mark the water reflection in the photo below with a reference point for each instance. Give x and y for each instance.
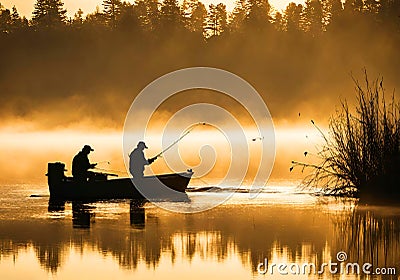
(56, 206)
(82, 216)
(139, 235)
(137, 213)
(50, 255)
(370, 235)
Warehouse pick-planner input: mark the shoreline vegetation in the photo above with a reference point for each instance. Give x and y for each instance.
(360, 156)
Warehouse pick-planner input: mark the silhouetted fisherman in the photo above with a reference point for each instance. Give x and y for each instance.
(137, 161)
(81, 165)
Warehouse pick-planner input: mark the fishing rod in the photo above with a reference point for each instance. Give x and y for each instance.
(187, 132)
(179, 139)
(107, 170)
(173, 144)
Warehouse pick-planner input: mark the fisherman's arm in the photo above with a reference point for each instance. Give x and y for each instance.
(89, 165)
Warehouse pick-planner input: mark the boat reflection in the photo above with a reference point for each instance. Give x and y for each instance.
(137, 213)
(82, 215)
(56, 205)
(146, 235)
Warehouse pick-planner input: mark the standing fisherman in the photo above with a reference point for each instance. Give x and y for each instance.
(137, 161)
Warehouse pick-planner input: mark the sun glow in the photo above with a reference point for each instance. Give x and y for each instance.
(25, 154)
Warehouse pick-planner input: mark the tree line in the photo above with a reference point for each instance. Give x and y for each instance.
(314, 17)
(90, 64)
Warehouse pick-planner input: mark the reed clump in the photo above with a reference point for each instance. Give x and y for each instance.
(360, 155)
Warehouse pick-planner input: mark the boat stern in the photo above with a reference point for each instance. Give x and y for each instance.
(55, 176)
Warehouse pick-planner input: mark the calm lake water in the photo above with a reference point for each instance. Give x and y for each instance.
(123, 240)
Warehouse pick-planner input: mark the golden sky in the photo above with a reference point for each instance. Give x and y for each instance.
(25, 7)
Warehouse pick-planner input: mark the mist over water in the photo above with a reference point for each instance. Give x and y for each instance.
(92, 80)
(26, 154)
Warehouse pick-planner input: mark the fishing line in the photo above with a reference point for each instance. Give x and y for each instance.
(201, 180)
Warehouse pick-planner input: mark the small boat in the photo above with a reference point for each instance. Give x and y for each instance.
(169, 187)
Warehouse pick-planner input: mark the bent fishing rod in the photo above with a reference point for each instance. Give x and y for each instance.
(187, 132)
(160, 153)
(179, 139)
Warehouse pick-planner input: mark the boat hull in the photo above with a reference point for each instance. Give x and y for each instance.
(170, 187)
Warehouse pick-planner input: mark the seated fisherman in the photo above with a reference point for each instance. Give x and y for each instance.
(137, 161)
(81, 165)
